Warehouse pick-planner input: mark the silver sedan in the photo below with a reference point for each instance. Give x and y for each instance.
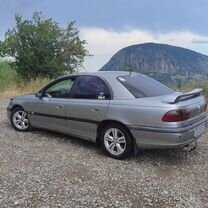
(122, 111)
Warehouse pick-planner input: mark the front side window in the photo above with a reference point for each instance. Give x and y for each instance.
(142, 86)
(90, 87)
(60, 89)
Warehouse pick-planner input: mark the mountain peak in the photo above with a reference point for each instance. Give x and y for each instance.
(159, 61)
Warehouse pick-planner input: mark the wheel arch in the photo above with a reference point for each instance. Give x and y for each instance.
(16, 106)
(106, 122)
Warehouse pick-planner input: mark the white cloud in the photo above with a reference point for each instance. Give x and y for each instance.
(104, 43)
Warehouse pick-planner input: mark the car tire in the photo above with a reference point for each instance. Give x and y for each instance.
(20, 120)
(116, 141)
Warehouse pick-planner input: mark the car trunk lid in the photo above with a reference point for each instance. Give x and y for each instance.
(158, 106)
(192, 101)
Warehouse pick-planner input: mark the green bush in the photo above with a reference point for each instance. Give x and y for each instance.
(41, 48)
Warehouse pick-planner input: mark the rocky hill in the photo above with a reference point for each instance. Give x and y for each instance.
(165, 63)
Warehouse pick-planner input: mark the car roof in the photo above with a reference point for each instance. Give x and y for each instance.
(104, 74)
(119, 91)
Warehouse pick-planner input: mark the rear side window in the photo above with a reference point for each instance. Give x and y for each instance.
(90, 87)
(142, 86)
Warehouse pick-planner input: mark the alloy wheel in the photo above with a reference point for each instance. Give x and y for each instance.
(115, 141)
(20, 120)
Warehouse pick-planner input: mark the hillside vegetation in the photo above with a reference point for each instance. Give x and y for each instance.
(190, 85)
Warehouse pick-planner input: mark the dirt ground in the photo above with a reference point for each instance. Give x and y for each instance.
(45, 169)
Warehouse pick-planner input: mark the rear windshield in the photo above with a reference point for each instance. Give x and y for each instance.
(142, 86)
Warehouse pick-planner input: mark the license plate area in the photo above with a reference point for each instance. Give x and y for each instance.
(199, 130)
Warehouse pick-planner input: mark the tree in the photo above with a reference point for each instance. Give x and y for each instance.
(40, 47)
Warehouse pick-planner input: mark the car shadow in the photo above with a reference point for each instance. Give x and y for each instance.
(171, 156)
(66, 138)
(155, 157)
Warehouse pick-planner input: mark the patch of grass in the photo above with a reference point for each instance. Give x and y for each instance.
(23, 88)
(12, 85)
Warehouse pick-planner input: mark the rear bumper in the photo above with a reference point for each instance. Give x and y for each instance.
(158, 138)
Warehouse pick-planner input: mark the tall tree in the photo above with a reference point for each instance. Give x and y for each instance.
(40, 47)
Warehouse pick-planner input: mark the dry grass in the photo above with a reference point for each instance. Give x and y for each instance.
(12, 85)
(21, 88)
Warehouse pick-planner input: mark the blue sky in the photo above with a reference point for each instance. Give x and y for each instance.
(109, 25)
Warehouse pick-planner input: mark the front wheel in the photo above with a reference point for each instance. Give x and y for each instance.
(116, 141)
(19, 120)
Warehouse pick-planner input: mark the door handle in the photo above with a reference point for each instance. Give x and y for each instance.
(59, 106)
(95, 110)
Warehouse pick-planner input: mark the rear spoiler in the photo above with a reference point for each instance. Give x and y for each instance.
(179, 96)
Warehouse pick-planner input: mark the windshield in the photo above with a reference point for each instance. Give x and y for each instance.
(142, 86)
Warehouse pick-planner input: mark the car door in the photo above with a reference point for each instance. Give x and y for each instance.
(49, 111)
(89, 103)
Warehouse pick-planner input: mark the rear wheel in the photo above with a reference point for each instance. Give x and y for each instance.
(19, 120)
(116, 141)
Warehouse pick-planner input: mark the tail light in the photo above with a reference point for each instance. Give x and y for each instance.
(176, 115)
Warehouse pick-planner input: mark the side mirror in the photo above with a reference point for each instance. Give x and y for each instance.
(39, 95)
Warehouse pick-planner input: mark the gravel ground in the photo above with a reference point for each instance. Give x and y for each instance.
(45, 169)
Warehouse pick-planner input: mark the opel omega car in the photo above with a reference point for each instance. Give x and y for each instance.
(123, 111)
